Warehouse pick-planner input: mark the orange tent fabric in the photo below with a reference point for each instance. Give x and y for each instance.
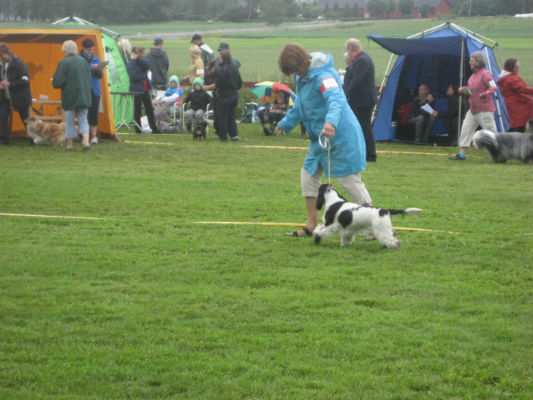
(41, 51)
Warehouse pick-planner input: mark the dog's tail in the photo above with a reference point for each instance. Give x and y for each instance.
(393, 211)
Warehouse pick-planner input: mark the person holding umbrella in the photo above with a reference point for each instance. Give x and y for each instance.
(275, 112)
(278, 98)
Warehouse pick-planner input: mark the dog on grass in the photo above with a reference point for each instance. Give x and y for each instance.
(351, 219)
(199, 132)
(41, 131)
(503, 146)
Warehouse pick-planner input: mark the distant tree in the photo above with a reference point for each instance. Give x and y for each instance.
(349, 11)
(405, 6)
(292, 8)
(234, 13)
(391, 6)
(376, 8)
(310, 10)
(274, 12)
(423, 10)
(22, 8)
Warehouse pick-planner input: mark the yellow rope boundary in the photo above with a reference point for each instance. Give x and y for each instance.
(49, 216)
(295, 224)
(378, 151)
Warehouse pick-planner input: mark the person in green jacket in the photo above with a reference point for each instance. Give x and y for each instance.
(73, 77)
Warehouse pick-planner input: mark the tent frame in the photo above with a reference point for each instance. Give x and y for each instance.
(480, 38)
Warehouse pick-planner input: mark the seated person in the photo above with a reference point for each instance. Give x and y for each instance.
(275, 113)
(173, 93)
(449, 118)
(423, 120)
(199, 100)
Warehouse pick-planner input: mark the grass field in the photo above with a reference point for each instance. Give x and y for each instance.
(258, 51)
(145, 302)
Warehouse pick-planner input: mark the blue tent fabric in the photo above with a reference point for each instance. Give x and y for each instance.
(450, 46)
(434, 59)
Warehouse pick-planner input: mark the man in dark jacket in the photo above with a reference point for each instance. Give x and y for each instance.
(360, 89)
(14, 90)
(159, 65)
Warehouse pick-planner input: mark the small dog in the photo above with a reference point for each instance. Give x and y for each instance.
(503, 146)
(41, 131)
(350, 219)
(199, 132)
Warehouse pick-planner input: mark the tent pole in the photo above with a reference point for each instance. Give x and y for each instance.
(435, 28)
(497, 103)
(385, 77)
(461, 78)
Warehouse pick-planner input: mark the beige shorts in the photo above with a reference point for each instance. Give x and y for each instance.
(352, 184)
(471, 122)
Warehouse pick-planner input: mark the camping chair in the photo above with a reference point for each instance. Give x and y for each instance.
(207, 118)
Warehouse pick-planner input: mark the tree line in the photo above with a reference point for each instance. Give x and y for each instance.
(270, 11)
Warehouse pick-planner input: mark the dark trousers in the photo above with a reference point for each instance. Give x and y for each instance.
(225, 112)
(92, 116)
(5, 116)
(364, 116)
(451, 127)
(146, 100)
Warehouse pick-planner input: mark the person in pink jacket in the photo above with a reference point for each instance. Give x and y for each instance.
(480, 88)
(517, 95)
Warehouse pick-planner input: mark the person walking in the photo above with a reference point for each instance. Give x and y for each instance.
(138, 69)
(15, 92)
(93, 62)
(322, 107)
(159, 65)
(360, 89)
(517, 95)
(228, 81)
(480, 88)
(74, 79)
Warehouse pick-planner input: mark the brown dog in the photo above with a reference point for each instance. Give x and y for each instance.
(41, 131)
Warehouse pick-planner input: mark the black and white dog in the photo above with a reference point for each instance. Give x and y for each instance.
(351, 219)
(503, 146)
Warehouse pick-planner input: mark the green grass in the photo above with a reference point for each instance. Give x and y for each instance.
(145, 303)
(258, 51)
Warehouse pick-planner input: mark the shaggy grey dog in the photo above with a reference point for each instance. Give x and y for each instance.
(503, 146)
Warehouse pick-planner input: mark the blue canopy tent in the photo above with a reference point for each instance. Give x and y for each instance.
(436, 57)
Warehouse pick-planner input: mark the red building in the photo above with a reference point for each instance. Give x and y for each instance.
(440, 7)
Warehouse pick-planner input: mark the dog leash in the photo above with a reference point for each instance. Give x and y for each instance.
(326, 145)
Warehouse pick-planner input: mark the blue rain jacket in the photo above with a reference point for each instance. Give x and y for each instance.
(321, 99)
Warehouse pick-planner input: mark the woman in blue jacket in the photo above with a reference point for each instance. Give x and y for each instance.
(140, 84)
(322, 107)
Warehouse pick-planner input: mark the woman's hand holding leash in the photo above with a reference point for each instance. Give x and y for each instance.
(328, 130)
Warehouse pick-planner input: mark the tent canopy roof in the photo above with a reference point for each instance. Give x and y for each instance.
(43, 36)
(450, 45)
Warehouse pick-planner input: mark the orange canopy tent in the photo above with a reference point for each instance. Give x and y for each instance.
(40, 49)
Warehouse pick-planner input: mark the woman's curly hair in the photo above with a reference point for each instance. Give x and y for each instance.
(294, 59)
